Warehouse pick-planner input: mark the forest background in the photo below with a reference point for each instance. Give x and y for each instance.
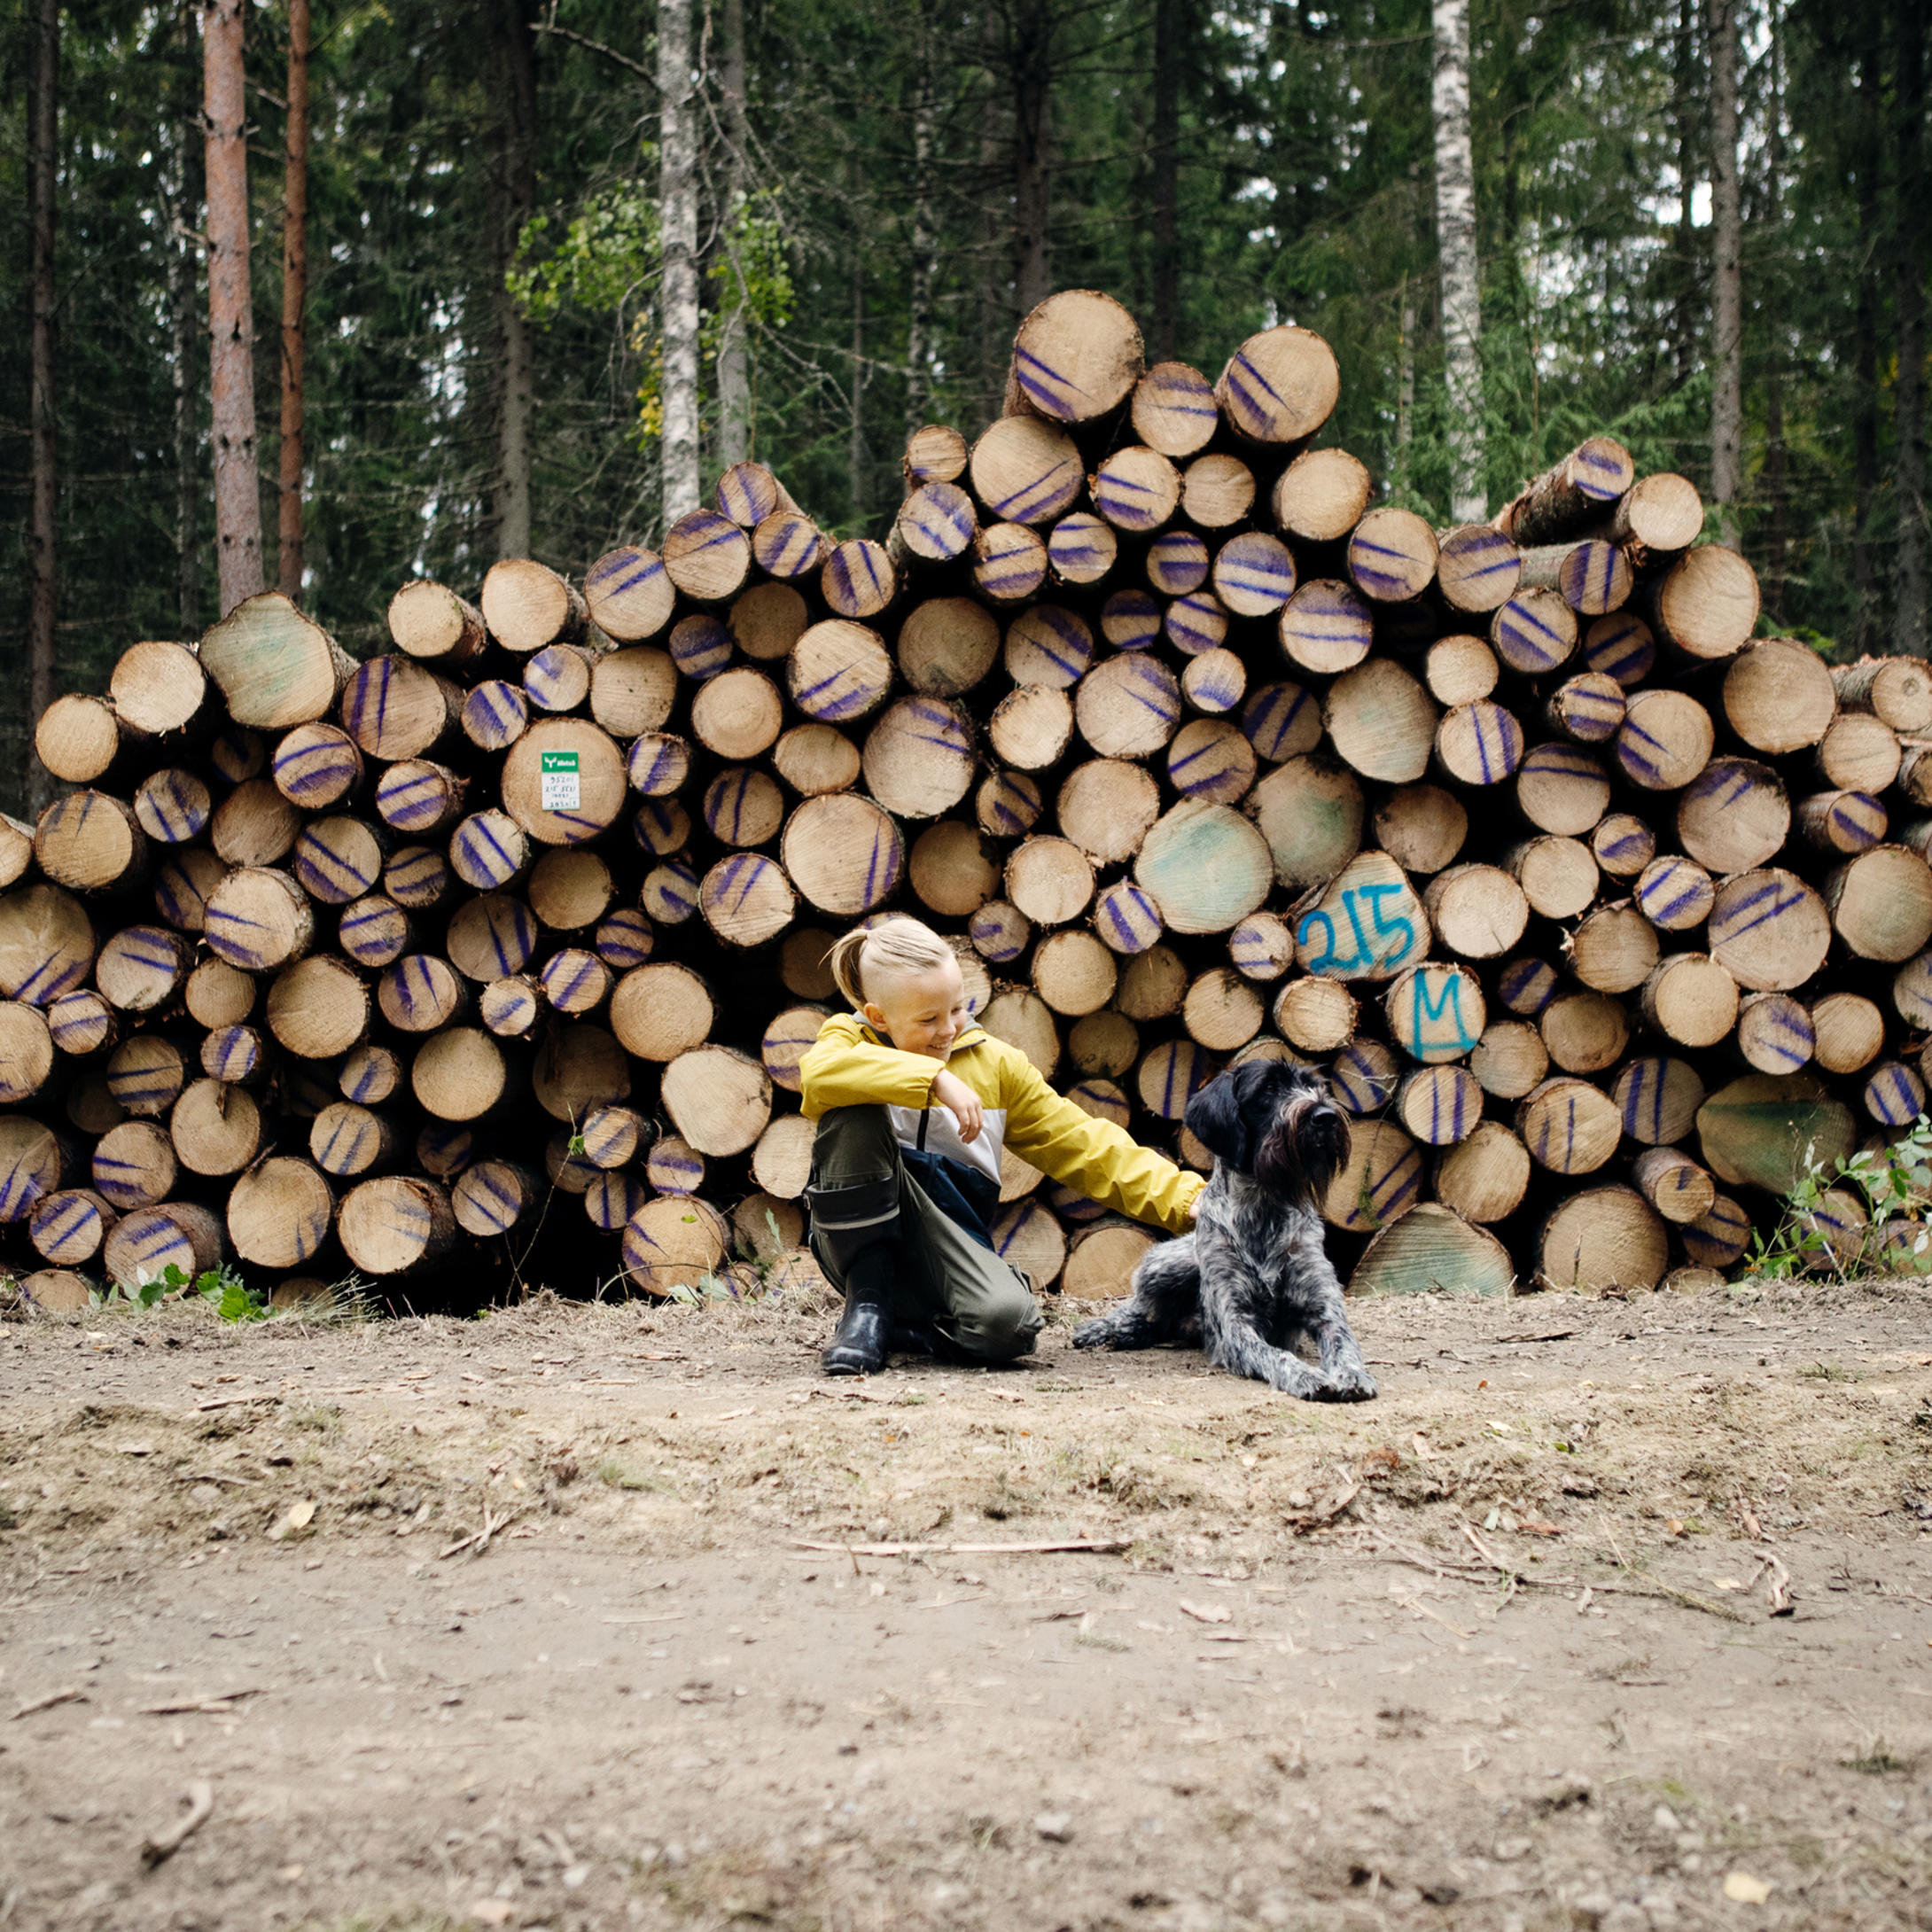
(880, 189)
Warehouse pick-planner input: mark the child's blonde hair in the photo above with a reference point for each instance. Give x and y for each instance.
(868, 955)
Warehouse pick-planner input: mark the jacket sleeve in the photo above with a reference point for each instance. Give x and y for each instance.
(1093, 1156)
(845, 1069)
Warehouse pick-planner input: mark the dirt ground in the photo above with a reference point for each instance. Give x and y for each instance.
(1495, 1651)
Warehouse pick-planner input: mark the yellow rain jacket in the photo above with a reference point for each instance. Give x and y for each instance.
(849, 1065)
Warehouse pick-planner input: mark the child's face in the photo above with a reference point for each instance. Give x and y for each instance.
(922, 1013)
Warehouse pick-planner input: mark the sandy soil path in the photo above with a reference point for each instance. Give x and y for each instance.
(1495, 1651)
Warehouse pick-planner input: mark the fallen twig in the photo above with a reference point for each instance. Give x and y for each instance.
(167, 1842)
(235, 1401)
(1325, 1509)
(1645, 1585)
(216, 1701)
(479, 1540)
(73, 1696)
(1424, 1610)
(1099, 1543)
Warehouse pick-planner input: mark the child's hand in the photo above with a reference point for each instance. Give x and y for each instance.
(949, 1090)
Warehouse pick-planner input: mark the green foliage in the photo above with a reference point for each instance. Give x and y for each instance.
(609, 261)
(223, 1289)
(1303, 165)
(707, 1287)
(766, 1265)
(608, 258)
(1893, 1186)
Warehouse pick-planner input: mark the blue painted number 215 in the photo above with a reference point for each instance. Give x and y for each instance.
(1386, 929)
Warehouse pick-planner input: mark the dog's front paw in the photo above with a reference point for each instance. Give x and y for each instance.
(1350, 1385)
(1091, 1335)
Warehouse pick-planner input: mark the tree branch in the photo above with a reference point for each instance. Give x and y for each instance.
(596, 47)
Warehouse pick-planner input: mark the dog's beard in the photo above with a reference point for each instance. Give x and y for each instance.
(1304, 1150)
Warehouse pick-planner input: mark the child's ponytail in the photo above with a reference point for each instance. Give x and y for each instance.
(869, 954)
(844, 961)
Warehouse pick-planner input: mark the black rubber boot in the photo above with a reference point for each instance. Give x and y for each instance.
(859, 1347)
(865, 1329)
(914, 1338)
(856, 1228)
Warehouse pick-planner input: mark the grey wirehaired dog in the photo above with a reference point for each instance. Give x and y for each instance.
(1252, 1282)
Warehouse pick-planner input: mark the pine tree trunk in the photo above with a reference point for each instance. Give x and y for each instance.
(1455, 235)
(184, 252)
(1165, 172)
(513, 197)
(1864, 469)
(1030, 78)
(924, 241)
(995, 316)
(1909, 577)
(734, 358)
(855, 458)
(231, 357)
(294, 295)
(678, 178)
(42, 150)
(1726, 280)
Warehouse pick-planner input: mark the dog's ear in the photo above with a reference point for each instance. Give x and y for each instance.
(1220, 1119)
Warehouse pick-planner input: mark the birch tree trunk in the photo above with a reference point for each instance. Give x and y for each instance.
(678, 197)
(183, 252)
(1032, 80)
(294, 296)
(1684, 114)
(1405, 377)
(1909, 580)
(733, 354)
(1726, 278)
(1166, 172)
(231, 328)
(42, 159)
(1455, 235)
(515, 195)
(924, 241)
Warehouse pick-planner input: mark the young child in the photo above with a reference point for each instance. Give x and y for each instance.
(913, 1104)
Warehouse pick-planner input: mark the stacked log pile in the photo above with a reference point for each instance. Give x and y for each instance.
(1603, 913)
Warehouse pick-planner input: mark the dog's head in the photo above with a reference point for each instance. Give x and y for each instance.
(1276, 1123)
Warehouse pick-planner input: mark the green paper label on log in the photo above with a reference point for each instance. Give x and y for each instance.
(560, 786)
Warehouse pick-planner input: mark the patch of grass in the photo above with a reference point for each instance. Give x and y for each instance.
(324, 1418)
(1826, 1372)
(619, 1472)
(1609, 1673)
(1880, 1762)
(8, 1520)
